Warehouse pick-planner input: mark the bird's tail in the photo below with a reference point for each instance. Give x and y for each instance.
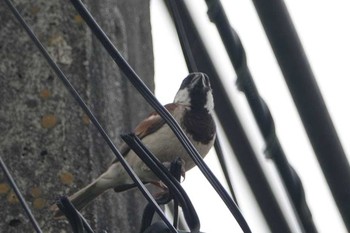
(83, 197)
(114, 177)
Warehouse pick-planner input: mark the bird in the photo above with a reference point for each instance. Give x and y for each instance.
(192, 108)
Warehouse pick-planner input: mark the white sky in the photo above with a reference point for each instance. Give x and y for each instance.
(323, 27)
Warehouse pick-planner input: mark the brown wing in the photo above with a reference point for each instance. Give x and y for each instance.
(148, 126)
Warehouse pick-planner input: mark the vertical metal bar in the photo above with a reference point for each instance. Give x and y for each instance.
(308, 100)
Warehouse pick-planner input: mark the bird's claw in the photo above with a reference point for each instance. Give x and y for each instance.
(173, 166)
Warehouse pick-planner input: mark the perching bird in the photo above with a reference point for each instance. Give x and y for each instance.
(192, 108)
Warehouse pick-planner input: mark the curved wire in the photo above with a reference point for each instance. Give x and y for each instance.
(149, 97)
(169, 180)
(148, 213)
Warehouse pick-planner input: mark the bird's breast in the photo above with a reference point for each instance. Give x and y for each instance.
(166, 146)
(200, 125)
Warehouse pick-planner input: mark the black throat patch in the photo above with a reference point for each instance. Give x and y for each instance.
(200, 124)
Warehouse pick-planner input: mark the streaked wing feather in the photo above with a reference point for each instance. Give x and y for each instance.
(148, 126)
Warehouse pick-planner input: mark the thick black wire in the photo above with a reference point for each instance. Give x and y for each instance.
(147, 94)
(91, 116)
(168, 179)
(175, 170)
(166, 198)
(308, 99)
(238, 140)
(262, 115)
(185, 45)
(76, 220)
(192, 67)
(20, 197)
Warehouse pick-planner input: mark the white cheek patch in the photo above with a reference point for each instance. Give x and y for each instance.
(210, 102)
(183, 97)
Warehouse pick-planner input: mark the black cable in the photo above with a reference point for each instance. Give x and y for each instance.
(166, 198)
(192, 67)
(164, 174)
(262, 115)
(175, 170)
(224, 168)
(88, 112)
(308, 99)
(147, 94)
(20, 197)
(76, 220)
(186, 48)
(234, 131)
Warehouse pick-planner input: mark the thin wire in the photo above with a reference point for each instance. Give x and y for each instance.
(234, 131)
(149, 97)
(91, 116)
(191, 64)
(20, 197)
(224, 168)
(192, 67)
(86, 225)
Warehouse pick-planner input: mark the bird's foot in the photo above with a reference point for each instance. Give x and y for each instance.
(176, 168)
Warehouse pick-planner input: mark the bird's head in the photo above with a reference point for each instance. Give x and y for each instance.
(195, 92)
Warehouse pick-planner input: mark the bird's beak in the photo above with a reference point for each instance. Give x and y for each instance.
(200, 77)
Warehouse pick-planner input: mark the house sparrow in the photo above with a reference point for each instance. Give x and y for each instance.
(192, 108)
